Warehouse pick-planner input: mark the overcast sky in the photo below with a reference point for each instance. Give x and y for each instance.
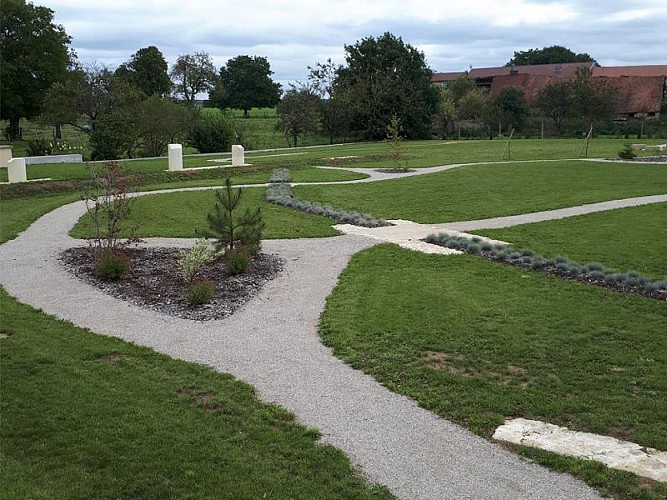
(294, 34)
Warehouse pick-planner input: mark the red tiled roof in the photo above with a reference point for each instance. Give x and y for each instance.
(530, 84)
(613, 71)
(638, 94)
(558, 70)
(447, 77)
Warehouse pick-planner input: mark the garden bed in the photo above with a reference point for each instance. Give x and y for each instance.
(154, 282)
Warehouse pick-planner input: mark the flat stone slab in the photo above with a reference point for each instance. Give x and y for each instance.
(612, 452)
(409, 235)
(42, 160)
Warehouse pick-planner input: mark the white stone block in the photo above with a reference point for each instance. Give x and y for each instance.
(16, 170)
(624, 455)
(5, 156)
(238, 156)
(175, 157)
(42, 160)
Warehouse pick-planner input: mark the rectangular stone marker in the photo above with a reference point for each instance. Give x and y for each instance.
(5, 156)
(175, 157)
(238, 156)
(16, 170)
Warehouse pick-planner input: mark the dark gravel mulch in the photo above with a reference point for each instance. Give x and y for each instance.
(155, 283)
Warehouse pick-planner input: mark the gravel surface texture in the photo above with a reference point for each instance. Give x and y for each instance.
(271, 342)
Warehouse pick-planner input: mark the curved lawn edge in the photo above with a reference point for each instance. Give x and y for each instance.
(477, 342)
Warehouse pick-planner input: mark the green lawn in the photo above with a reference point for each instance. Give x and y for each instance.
(299, 174)
(416, 153)
(625, 239)
(179, 214)
(478, 192)
(87, 416)
(17, 214)
(478, 342)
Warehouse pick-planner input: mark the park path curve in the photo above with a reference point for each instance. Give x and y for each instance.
(273, 344)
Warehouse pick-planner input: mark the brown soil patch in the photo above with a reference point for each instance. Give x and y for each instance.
(204, 399)
(454, 364)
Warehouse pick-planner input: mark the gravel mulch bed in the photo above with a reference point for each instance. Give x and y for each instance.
(154, 283)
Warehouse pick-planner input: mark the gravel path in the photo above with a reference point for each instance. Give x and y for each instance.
(408, 234)
(396, 443)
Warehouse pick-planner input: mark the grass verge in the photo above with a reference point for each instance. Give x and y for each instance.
(478, 342)
(177, 215)
(18, 213)
(87, 416)
(483, 191)
(625, 239)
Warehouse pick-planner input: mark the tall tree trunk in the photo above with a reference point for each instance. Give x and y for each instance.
(14, 129)
(58, 132)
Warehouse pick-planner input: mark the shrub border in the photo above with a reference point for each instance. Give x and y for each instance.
(280, 193)
(592, 273)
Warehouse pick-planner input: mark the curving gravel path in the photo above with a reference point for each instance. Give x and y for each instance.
(272, 343)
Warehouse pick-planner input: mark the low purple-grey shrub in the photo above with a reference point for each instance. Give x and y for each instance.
(281, 194)
(529, 259)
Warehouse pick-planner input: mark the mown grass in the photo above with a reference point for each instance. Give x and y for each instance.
(478, 342)
(625, 239)
(493, 190)
(17, 214)
(299, 158)
(177, 215)
(87, 416)
(417, 154)
(300, 174)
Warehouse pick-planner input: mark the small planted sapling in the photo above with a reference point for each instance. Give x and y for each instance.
(233, 233)
(108, 204)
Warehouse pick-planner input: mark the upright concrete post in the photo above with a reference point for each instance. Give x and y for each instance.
(5, 156)
(16, 170)
(238, 156)
(175, 157)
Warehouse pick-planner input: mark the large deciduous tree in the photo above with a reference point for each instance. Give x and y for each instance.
(555, 101)
(548, 55)
(245, 83)
(193, 74)
(509, 108)
(147, 70)
(593, 99)
(33, 55)
(386, 77)
(334, 105)
(88, 93)
(297, 114)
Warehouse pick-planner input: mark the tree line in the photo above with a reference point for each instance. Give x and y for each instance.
(141, 106)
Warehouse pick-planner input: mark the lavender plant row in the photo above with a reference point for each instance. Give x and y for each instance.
(592, 272)
(280, 175)
(281, 194)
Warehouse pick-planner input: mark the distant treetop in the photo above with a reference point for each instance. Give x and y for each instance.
(555, 54)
